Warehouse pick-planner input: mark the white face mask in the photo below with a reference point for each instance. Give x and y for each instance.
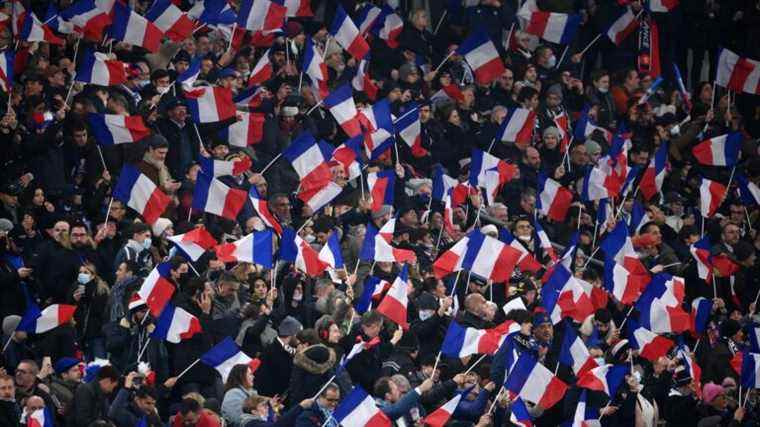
(426, 314)
(309, 238)
(147, 242)
(552, 61)
(84, 278)
(603, 89)
(524, 238)
(162, 90)
(297, 296)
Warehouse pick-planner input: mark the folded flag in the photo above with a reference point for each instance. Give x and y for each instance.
(543, 243)
(393, 305)
(213, 196)
(217, 168)
(574, 352)
(330, 253)
(296, 250)
(40, 418)
(157, 289)
(315, 68)
(6, 70)
(650, 345)
(720, 150)
(654, 174)
(366, 17)
(553, 199)
(637, 218)
(440, 416)
(362, 81)
(129, 27)
(750, 377)
(194, 243)
(110, 129)
(749, 192)
(441, 183)
(559, 28)
(481, 54)
(344, 31)
(213, 12)
(53, 316)
(225, 355)
(341, 105)
(409, 128)
(348, 155)
(585, 415)
(250, 97)
(625, 276)
(605, 378)
(532, 382)
(701, 308)
(377, 123)
(389, 26)
(138, 192)
(261, 15)
(374, 290)
(35, 31)
(247, 131)
(622, 26)
(700, 251)
(175, 324)
(88, 19)
(519, 415)
(171, 20)
(490, 172)
(738, 73)
(461, 341)
(262, 71)
(358, 409)
(188, 78)
(255, 248)
(711, 195)
(518, 126)
(318, 197)
(262, 210)
(96, 68)
(563, 296)
(210, 104)
(381, 188)
(660, 304)
(376, 248)
(357, 348)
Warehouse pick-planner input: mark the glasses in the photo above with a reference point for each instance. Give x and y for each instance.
(23, 372)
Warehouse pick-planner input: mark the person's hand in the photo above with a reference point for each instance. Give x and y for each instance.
(490, 386)
(429, 76)
(718, 304)
(752, 308)
(205, 303)
(173, 186)
(608, 410)
(657, 269)
(8, 200)
(576, 58)
(559, 172)
(271, 296)
(24, 272)
(660, 365)
(106, 176)
(266, 309)
(399, 170)
(255, 178)
(459, 379)
(129, 381)
(426, 385)
(614, 337)
(485, 420)
(349, 292)
(169, 383)
(78, 293)
(739, 414)
(445, 304)
(709, 116)
(46, 369)
(397, 336)
(306, 403)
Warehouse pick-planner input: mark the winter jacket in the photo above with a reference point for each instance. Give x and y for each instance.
(63, 390)
(308, 375)
(232, 404)
(89, 404)
(285, 420)
(274, 380)
(54, 268)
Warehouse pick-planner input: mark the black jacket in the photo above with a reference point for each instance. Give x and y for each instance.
(90, 404)
(55, 268)
(308, 375)
(275, 379)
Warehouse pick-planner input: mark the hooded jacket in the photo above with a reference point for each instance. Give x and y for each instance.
(309, 375)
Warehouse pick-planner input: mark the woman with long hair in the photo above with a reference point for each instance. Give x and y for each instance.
(237, 389)
(90, 294)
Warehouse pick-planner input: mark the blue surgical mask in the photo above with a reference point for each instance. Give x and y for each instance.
(146, 243)
(84, 278)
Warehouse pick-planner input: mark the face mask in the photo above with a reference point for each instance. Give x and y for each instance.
(162, 90)
(84, 278)
(309, 238)
(297, 296)
(552, 61)
(146, 243)
(637, 375)
(426, 314)
(603, 89)
(524, 238)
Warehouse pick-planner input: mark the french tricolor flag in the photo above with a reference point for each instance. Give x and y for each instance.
(330, 253)
(574, 352)
(531, 381)
(194, 243)
(663, 6)
(481, 54)
(344, 31)
(157, 289)
(348, 155)
(557, 28)
(440, 416)
(262, 210)
(381, 187)
(255, 248)
(553, 199)
(624, 274)
(659, 305)
(35, 31)
(519, 414)
(213, 196)
(527, 261)
(309, 159)
(373, 291)
(605, 378)
(175, 325)
(749, 192)
(377, 248)
(654, 175)
(393, 305)
(389, 26)
(585, 126)
(544, 243)
(585, 415)
(518, 126)
(172, 21)
(700, 251)
(377, 123)
(366, 18)
(245, 132)
(40, 418)
(409, 128)
(314, 66)
(88, 19)
(342, 107)
(362, 81)
(129, 27)
(261, 15)
(262, 71)
(296, 250)
(711, 195)
(358, 409)
(357, 348)
(750, 377)
(213, 12)
(250, 97)
(738, 73)
(490, 172)
(53, 316)
(441, 183)
(461, 341)
(721, 150)
(53, 20)
(298, 8)
(188, 78)
(317, 197)
(650, 345)
(96, 68)
(6, 70)
(484, 256)
(110, 129)
(623, 25)
(563, 296)
(217, 168)
(700, 314)
(210, 104)
(138, 192)
(225, 355)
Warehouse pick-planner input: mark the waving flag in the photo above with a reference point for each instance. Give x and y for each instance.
(157, 289)
(750, 377)
(213, 12)
(441, 183)
(358, 409)
(624, 274)
(650, 345)
(295, 249)
(659, 306)
(638, 217)
(261, 15)
(138, 192)
(194, 243)
(175, 325)
(482, 255)
(389, 26)
(40, 418)
(53, 316)
(262, 71)
(585, 415)
(376, 248)
(623, 25)
(519, 414)
(366, 17)
(188, 77)
(341, 105)
(314, 67)
(213, 196)
(210, 104)
(585, 126)
(298, 8)
(518, 126)
(749, 193)
(250, 97)
(348, 155)
(88, 19)
(563, 296)
(605, 378)
(129, 27)
(362, 81)
(490, 172)
(700, 251)
(6, 70)
(393, 305)
(738, 73)
(225, 355)
(544, 244)
(534, 383)
(409, 128)
(440, 416)
(559, 28)
(344, 32)
(255, 248)
(217, 168)
(172, 21)
(719, 151)
(711, 195)
(527, 261)
(654, 175)
(374, 290)
(574, 353)
(357, 348)
(309, 159)
(381, 188)
(377, 123)
(247, 131)
(330, 253)
(110, 129)
(35, 31)
(96, 68)
(553, 199)
(461, 341)
(262, 210)
(481, 54)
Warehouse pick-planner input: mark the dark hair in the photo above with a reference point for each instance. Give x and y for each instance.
(108, 372)
(237, 377)
(371, 317)
(526, 93)
(189, 405)
(382, 387)
(146, 391)
(158, 74)
(308, 336)
(139, 227)
(598, 74)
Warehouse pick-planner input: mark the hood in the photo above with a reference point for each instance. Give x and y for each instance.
(311, 366)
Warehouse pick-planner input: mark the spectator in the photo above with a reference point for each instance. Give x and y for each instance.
(91, 399)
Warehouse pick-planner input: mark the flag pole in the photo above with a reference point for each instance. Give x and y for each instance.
(435, 365)
(444, 61)
(232, 37)
(108, 211)
(145, 347)
(277, 157)
(440, 21)
(588, 46)
(495, 400)
(562, 57)
(315, 106)
(324, 386)
(188, 368)
(475, 364)
(7, 343)
(102, 159)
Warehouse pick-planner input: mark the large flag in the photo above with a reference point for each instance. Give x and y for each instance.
(171, 20)
(97, 68)
(738, 73)
(481, 54)
(138, 192)
(39, 321)
(393, 306)
(344, 31)
(110, 129)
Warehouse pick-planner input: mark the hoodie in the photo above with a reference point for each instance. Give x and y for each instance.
(312, 368)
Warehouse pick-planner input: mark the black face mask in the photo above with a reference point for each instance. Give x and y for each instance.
(183, 279)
